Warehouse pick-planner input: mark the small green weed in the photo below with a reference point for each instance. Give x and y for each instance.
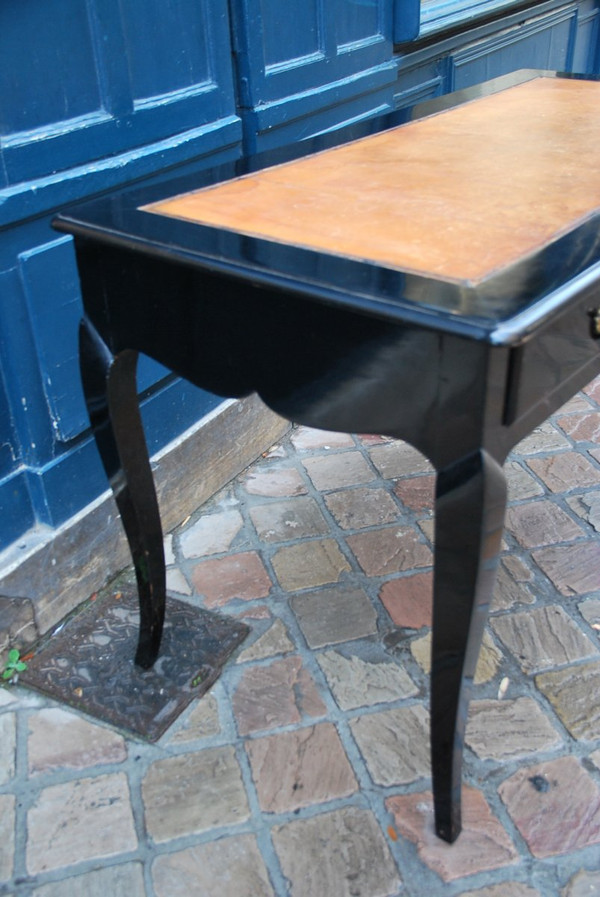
(14, 665)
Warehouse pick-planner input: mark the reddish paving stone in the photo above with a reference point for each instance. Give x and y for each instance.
(545, 438)
(390, 550)
(574, 693)
(543, 637)
(275, 695)
(211, 534)
(417, 493)
(121, 879)
(555, 806)
(505, 889)
(565, 470)
(593, 389)
(573, 569)
(338, 854)
(330, 616)
(482, 845)
(83, 819)
(338, 470)
(282, 521)
(7, 833)
(590, 611)
(308, 438)
(502, 730)
(275, 640)
(309, 564)
(373, 439)
(229, 867)
(398, 459)
(583, 427)
(300, 768)
(190, 793)
(361, 507)
(540, 523)
(512, 584)
(583, 884)
(275, 483)
(235, 576)
(521, 484)
(409, 600)
(356, 683)
(488, 662)
(578, 403)
(201, 722)
(58, 739)
(394, 744)
(587, 507)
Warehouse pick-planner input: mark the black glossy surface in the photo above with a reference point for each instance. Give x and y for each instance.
(473, 310)
(462, 375)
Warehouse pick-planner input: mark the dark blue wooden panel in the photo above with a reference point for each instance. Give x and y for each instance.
(166, 45)
(66, 483)
(345, 106)
(176, 77)
(407, 19)
(326, 41)
(586, 49)
(34, 438)
(51, 287)
(8, 444)
(45, 71)
(544, 43)
(291, 34)
(357, 21)
(16, 512)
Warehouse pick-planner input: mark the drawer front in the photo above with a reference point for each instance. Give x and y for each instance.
(557, 360)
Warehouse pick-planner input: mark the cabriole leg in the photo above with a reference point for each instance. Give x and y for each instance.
(470, 506)
(109, 386)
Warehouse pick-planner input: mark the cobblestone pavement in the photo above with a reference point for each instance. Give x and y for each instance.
(305, 771)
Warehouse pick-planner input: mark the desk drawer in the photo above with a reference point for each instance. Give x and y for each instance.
(555, 358)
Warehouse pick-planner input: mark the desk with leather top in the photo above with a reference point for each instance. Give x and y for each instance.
(437, 281)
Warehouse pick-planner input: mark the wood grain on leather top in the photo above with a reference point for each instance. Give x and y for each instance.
(456, 196)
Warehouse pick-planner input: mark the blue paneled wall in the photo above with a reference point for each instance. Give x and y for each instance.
(96, 94)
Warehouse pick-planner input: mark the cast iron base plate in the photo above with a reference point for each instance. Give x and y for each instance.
(88, 664)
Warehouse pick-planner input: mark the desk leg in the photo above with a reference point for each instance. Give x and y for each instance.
(470, 506)
(109, 386)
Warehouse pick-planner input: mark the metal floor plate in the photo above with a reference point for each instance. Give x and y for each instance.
(88, 664)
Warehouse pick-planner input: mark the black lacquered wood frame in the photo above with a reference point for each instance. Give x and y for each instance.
(460, 372)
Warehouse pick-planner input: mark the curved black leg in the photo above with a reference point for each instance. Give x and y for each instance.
(109, 386)
(470, 506)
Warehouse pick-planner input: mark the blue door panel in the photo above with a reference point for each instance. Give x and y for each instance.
(44, 39)
(8, 458)
(291, 34)
(34, 437)
(356, 22)
(316, 51)
(171, 75)
(586, 41)
(174, 35)
(16, 511)
(65, 484)
(545, 43)
(51, 287)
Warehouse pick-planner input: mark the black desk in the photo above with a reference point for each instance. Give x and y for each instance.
(437, 282)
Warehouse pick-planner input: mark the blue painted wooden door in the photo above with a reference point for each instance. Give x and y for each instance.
(308, 65)
(93, 95)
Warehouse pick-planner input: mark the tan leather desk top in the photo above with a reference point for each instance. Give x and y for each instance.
(456, 196)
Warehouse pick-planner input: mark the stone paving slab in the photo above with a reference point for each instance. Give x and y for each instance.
(305, 771)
